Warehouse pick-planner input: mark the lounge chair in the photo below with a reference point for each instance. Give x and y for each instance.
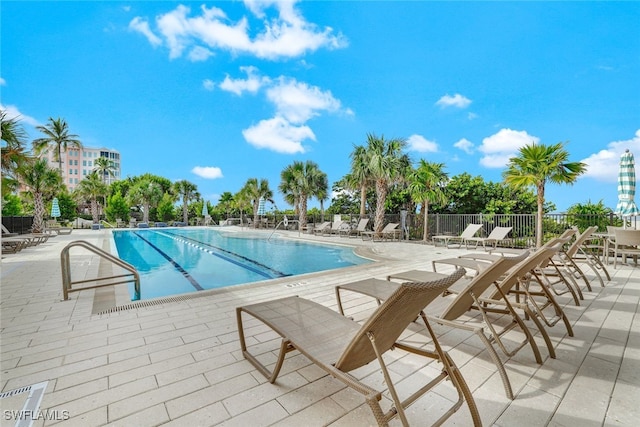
(518, 291)
(355, 232)
(320, 228)
(390, 231)
(496, 236)
(6, 232)
(340, 345)
(468, 232)
(455, 303)
(54, 226)
(577, 254)
(335, 228)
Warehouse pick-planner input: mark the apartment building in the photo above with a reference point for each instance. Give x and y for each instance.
(78, 163)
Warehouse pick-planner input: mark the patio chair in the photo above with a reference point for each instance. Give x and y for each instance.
(452, 305)
(627, 242)
(340, 345)
(335, 228)
(320, 228)
(496, 236)
(389, 231)
(576, 254)
(517, 291)
(468, 232)
(355, 232)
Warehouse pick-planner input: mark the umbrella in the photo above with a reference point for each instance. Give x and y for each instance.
(55, 208)
(261, 206)
(627, 186)
(205, 209)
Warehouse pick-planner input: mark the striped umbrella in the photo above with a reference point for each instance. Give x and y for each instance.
(205, 209)
(261, 209)
(627, 186)
(55, 208)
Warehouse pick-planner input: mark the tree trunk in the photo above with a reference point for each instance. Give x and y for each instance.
(94, 210)
(540, 215)
(381, 196)
(185, 210)
(303, 210)
(255, 213)
(425, 221)
(363, 201)
(145, 214)
(38, 213)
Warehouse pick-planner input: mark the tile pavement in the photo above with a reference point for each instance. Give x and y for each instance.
(178, 363)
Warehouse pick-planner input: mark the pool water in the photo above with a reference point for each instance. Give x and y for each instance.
(175, 261)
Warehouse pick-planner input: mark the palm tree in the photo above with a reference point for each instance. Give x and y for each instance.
(57, 138)
(14, 153)
(188, 191)
(256, 190)
(359, 178)
(41, 181)
(104, 167)
(426, 185)
(537, 164)
(385, 164)
(322, 192)
(300, 182)
(91, 188)
(225, 202)
(146, 192)
(289, 186)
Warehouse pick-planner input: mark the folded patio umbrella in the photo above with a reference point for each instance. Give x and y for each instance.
(55, 208)
(627, 186)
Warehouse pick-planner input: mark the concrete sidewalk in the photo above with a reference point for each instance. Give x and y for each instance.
(176, 361)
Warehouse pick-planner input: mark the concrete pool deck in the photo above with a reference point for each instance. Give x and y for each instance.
(177, 361)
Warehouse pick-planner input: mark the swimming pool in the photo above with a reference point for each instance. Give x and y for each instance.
(174, 261)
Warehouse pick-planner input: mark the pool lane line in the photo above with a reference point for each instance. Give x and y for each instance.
(177, 266)
(188, 241)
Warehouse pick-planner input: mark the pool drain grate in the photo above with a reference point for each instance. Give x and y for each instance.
(151, 303)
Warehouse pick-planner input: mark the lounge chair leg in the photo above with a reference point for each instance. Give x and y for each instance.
(455, 375)
(285, 347)
(387, 378)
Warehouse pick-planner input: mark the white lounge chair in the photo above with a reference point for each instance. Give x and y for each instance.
(497, 234)
(468, 232)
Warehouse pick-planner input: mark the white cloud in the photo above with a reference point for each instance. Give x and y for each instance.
(465, 145)
(500, 147)
(456, 100)
(12, 112)
(286, 34)
(252, 83)
(199, 53)
(3, 82)
(208, 84)
(603, 165)
(279, 135)
(141, 25)
(421, 144)
(472, 116)
(207, 172)
(298, 102)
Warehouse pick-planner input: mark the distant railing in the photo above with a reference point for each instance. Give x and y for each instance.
(523, 225)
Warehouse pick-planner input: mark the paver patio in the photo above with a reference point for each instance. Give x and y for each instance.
(177, 361)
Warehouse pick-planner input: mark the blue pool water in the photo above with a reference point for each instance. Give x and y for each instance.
(174, 261)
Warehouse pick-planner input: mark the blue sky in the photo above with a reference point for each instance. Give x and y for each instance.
(218, 92)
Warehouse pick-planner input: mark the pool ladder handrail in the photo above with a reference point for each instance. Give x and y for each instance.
(67, 283)
(286, 223)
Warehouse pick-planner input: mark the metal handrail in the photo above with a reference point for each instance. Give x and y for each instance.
(67, 283)
(284, 222)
